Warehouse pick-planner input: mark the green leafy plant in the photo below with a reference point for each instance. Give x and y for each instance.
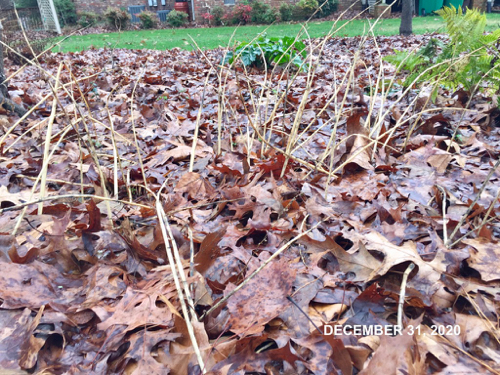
(286, 12)
(117, 18)
(470, 59)
(66, 12)
(307, 7)
(177, 19)
(328, 7)
(272, 15)
(19, 4)
(416, 62)
(88, 18)
(266, 51)
(259, 11)
(149, 20)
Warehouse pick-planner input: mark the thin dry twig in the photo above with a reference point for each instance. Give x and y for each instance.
(178, 269)
(402, 293)
(73, 197)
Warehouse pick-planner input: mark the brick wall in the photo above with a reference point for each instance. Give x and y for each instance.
(100, 6)
(344, 4)
(479, 4)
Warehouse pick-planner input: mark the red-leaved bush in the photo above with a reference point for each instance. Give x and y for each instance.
(208, 17)
(241, 14)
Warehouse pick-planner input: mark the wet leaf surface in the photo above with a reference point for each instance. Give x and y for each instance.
(85, 281)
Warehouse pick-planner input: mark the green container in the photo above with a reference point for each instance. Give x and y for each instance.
(428, 6)
(455, 3)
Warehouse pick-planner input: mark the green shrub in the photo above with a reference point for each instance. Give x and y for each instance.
(272, 15)
(299, 14)
(286, 12)
(259, 10)
(66, 12)
(25, 4)
(177, 19)
(306, 8)
(328, 7)
(149, 20)
(117, 18)
(218, 13)
(269, 50)
(88, 18)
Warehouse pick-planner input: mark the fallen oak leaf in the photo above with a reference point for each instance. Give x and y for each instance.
(360, 153)
(195, 185)
(139, 250)
(18, 346)
(8, 199)
(142, 357)
(261, 300)
(181, 355)
(178, 153)
(9, 248)
(395, 255)
(484, 258)
(33, 285)
(93, 226)
(440, 161)
(368, 308)
(135, 309)
(246, 357)
(209, 251)
(360, 263)
(398, 354)
(323, 349)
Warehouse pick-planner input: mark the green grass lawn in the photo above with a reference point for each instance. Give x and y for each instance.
(208, 38)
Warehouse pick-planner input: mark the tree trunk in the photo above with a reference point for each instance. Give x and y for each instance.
(5, 102)
(406, 27)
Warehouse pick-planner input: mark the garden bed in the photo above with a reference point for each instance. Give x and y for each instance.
(310, 191)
